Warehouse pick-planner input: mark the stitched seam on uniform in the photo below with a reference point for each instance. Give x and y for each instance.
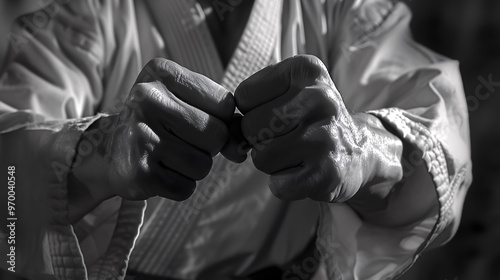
(115, 261)
(433, 152)
(66, 257)
(435, 159)
(259, 40)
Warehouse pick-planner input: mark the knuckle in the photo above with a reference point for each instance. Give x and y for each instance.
(171, 72)
(307, 60)
(146, 134)
(139, 92)
(320, 142)
(323, 96)
(152, 69)
(310, 62)
(159, 68)
(155, 63)
(309, 67)
(318, 94)
(137, 88)
(319, 101)
(168, 65)
(154, 92)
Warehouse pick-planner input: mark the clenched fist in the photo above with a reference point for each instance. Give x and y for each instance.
(173, 123)
(302, 134)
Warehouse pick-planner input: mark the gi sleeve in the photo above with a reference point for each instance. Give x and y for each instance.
(418, 96)
(64, 64)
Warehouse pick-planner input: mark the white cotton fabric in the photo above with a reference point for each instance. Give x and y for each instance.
(87, 57)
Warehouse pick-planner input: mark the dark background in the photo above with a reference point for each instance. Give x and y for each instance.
(469, 31)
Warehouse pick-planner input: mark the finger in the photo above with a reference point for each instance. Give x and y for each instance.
(275, 80)
(181, 157)
(298, 182)
(169, 183)
(236, 147)
(284, 114)
(161, 110)
(299, 168)
(273, 119)
(153, 177)
(280, 153)
(190, 87)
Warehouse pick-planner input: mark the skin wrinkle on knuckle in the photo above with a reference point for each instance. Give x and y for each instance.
(154, 70)
(307, 68)
(139, 92)
(180, 115)
(147, 134)
(161, 97)
(221, 101)
(205, 125)
(196, 120)
(314, 71)
(168, 66)
(213, 131)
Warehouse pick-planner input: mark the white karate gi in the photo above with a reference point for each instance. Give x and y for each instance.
(85, 60)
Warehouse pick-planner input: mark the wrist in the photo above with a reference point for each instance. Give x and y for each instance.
(87, 181)
(382, 153)
(386, 198)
